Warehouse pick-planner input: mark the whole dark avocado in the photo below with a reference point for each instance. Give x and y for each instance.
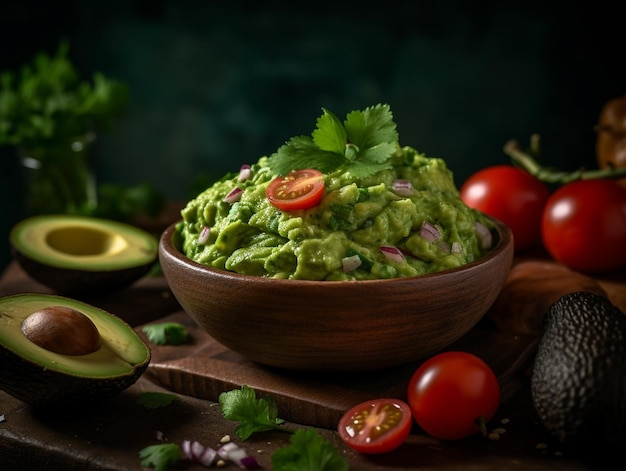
(578, 381)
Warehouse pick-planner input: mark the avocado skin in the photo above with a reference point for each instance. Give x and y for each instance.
(81, 283)
(578, 381)
(38, 387)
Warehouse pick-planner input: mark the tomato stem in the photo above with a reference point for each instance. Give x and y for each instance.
(551, 175)
(482, 425)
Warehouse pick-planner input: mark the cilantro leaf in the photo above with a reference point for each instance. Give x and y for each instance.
(253, 415)
(301, 152)
(363, 144)
(330, 134)
(308, 451)
(160, 456)
(166, 333)
(373, 131)
(155, 400)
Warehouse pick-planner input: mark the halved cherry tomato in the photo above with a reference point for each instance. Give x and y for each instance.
(451, 393)
(376, 426)
(299, 189)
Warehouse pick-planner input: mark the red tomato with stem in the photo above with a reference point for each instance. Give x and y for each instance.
(511, 195)
(584, 225)
(453, 395)
(376, 426)
(299, 189)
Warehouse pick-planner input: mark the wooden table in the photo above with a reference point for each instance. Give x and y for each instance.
(109, 435)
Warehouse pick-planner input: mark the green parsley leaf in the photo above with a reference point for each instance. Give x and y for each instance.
(160, 456)
(308, 451)
(155, 400)
(166, 333)
(362, 145)
(253, 415)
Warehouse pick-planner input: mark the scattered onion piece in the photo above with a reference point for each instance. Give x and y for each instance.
(198, 453)
(456, 248)
(234, 195)
(392, 253)
(204, 235)
(444, 245)
(351, 263)
(244, 173)
(235, 454)
(484, 235)
(402, 187)
(429, 231)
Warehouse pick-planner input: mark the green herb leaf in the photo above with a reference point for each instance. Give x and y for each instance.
(155, 400)
(161, 456)
(166, 333)
(363, 144)
(47, 102)
(308, 451)
(253, 415)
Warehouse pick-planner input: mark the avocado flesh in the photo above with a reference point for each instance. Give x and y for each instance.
(578, 382)
(81, 255)
(39, 376)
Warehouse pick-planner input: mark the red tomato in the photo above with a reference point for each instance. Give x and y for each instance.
(376, 426)
(511, 195)
(299, 189)
(584, 225)
(451, 393)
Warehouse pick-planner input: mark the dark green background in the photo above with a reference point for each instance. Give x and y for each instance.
(217, 84)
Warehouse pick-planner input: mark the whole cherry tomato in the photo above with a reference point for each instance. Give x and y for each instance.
(452, 395)
(299, 189)
(511, 195)
(376, 426)
(584, 225)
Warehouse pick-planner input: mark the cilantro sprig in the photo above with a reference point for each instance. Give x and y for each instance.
(166, 333)
(362, 144)
(47, 102)
(160, 456)
(241, 405)
(308, 451)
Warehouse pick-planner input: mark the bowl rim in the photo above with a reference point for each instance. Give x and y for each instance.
(167, 247)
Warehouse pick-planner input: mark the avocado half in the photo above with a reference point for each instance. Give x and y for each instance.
(82, 255)
(34, 372)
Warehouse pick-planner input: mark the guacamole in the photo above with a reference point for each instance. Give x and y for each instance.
(406, 219)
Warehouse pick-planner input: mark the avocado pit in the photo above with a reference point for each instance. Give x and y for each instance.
(61, 329)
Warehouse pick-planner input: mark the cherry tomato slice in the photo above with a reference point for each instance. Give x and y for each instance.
(376, 426)
(299, 189)
(451, 392)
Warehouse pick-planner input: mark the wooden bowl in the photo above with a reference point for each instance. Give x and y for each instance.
(336, 326)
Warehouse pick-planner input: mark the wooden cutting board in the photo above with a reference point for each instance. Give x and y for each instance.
(506, 339)
(204, 368)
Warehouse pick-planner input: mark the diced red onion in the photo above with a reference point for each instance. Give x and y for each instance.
(244, 173)
(207, 456)
(429, 231)
(235, 454)
(204, 235)
(456, 248)
(484, 235)
(392, 253)
(351, 263)
(158, 435)
(234, 195)
(185, 446)
(444, 245)
(198, 453)
(402, 187)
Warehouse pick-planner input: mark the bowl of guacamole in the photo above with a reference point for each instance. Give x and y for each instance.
(292, 258)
